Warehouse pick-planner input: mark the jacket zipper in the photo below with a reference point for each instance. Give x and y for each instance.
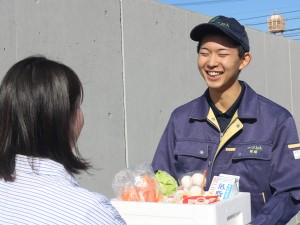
(221, 136)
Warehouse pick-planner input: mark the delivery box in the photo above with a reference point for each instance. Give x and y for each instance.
(233, 211)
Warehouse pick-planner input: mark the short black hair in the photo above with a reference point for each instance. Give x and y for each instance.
(38, 100)
(241, 50)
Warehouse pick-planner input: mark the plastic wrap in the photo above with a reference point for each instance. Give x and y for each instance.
(137, 184)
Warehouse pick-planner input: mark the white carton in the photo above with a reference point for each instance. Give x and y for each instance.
(234, 211)
(226, 187)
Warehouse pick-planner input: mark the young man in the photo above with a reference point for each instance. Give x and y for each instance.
(233, 130)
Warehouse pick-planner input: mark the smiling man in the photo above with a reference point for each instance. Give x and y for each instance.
(233, 130)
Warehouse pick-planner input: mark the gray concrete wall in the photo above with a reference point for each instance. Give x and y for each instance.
(86, 35)
(137, 63)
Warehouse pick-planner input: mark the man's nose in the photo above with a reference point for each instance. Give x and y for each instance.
(213, 60)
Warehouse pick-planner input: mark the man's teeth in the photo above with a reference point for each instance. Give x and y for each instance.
(214, 74)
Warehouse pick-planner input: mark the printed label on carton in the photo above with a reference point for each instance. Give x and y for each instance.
(224, 187)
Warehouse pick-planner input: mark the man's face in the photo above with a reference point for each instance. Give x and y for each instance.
(219, 62)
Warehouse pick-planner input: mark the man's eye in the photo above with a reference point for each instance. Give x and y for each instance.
(203, 53)
(223, 55)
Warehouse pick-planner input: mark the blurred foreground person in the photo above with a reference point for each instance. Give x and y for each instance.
(40, 122)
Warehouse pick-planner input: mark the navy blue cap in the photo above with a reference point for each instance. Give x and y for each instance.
(229, 26)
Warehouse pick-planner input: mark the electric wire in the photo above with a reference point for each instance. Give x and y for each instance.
(252, 24)
(263, 16)
(205, 2)
(246, 20)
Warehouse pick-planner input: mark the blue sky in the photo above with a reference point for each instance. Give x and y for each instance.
(251, 13)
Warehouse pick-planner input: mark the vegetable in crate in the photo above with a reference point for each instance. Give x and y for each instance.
(167, 183)
(137, 184)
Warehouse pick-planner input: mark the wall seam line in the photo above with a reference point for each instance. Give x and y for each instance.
(291, 78)
(16, 30)
(265, 64)
(187, 56)
(124, 84)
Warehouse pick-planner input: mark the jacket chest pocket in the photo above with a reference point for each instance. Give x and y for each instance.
(250, 162)
(253, 152)
(191, 155)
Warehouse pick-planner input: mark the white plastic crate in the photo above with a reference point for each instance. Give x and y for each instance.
(295, 220)
(234, 211)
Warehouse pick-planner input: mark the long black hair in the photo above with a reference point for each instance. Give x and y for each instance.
(38, 101)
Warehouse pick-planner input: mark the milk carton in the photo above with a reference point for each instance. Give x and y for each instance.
(225, 186)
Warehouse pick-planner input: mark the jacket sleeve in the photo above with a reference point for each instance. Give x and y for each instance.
(164, 158)
(285, 164)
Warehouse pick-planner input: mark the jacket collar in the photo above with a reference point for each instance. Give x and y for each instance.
(248, 108)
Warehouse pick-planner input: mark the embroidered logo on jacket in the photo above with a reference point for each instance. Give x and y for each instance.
(254, 149)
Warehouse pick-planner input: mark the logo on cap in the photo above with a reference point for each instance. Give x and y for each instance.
(215, 21)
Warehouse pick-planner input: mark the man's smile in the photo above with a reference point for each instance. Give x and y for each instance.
(214, 73)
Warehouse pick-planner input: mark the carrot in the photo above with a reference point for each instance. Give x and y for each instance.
(146, 191)
(130, 194)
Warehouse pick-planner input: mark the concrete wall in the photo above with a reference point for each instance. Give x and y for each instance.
(86, 35)
(137, 63)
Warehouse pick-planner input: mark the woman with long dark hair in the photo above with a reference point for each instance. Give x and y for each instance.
(40, 122)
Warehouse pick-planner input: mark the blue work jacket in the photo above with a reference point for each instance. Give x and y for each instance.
(260, 145)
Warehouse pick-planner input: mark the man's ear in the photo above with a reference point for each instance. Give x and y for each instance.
(245, 60)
